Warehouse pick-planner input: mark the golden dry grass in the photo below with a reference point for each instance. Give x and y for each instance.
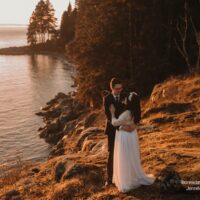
(174, 143)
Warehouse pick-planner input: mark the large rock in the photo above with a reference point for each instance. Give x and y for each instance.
(12, 194)
(60, 117)
(55, 126)
(90, 120)
(68, 190)
(175, 90)
(69, 127)
(59, 148)
(95, 146)
(100, 147)
(52, 113)
(171, 108)
(85, 134)
(89, 173)
(66, 117)
(59, 171)
(52, 132)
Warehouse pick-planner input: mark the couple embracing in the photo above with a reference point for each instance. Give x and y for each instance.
(123, 115)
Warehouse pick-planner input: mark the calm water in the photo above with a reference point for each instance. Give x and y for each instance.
(26, 84)
(12, 36)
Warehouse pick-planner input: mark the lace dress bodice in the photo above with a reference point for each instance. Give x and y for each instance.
(124, 119)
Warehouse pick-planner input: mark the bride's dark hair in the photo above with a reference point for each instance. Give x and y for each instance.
(133, 104)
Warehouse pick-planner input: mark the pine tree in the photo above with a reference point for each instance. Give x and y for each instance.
(40, 19)
(63, 28)
(31, 34)
(69, 10)
(50, 20)
(130, 39)
(42, 24)
(67, 28)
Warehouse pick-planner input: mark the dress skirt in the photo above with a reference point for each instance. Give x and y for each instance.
(128, 173)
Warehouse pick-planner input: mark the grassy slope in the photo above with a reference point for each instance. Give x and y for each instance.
(173, 109)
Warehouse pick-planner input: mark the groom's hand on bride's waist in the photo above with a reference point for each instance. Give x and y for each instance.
(128, 128)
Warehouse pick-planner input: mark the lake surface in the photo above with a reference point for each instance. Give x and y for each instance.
(26, 84)
(12, 36)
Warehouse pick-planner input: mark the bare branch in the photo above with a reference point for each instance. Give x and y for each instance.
(179, 49)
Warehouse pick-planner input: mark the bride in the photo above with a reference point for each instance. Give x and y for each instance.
(127, 170)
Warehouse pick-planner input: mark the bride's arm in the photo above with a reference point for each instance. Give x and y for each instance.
(117, 121)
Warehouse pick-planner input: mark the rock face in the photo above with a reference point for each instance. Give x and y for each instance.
(179, 93)
(68, 127)
(76, 168)
(175, 100)
(13, 194)
(60, 169)
(60, 117)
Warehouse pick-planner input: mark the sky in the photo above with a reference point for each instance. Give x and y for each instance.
(19, 11)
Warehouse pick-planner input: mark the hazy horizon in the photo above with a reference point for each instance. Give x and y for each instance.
(13, 24)
(18, 12)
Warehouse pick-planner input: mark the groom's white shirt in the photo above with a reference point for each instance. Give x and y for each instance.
(115, 96)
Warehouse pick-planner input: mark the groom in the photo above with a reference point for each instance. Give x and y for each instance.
(117, 98)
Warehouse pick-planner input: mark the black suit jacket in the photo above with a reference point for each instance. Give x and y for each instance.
(119, 108)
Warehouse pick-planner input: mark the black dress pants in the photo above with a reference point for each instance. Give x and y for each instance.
(111, 142)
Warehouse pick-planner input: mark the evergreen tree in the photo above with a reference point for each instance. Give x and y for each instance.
(51, 20)
(67, 27)
(31, 34)
(42, 24)
(40, 13)
(134, 40)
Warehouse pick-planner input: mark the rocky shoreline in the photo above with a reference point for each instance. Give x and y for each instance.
(58, 113)
(64, 117)
(15, 50)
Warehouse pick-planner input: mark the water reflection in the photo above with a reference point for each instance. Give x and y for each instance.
(26, 84)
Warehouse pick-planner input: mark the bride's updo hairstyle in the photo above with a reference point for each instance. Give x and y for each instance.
(133, 104)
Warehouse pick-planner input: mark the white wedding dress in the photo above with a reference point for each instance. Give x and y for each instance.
(127, 170)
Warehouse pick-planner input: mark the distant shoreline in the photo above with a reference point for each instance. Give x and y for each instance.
(14, 25)
(27, 50)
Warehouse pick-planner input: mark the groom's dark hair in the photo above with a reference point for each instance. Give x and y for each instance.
(114, 81)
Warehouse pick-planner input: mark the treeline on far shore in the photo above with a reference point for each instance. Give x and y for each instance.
(43, 32)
